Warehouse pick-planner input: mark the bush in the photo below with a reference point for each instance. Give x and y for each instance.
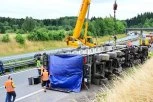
(43, 34)
(56, 35)
(52, 28)
(39, 35)
(68, 27)
(20, 31)
(69, 33)
(9, 31)
(5, 38)
(20, 39)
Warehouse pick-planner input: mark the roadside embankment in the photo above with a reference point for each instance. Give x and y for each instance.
(135, 86)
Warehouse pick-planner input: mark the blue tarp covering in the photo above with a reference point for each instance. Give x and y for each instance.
(67, 72)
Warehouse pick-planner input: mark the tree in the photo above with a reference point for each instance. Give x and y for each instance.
(2, 29)
(98, 25)
(140, 20)
(29, 24)
(120, 27)
(148, 23)
(109, 26)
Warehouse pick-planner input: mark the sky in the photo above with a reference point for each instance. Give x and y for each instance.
(50, 9)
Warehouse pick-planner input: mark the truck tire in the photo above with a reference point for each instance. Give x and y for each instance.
(104, 81)
(143, 48)
(136, 49)
(112, 54)
(96, 81)
(102, 57)
(111, 76)
(116, 72)
(119, 53)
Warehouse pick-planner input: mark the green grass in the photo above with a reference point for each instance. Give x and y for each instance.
(13, 48)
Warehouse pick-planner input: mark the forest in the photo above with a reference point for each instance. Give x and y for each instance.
(57, 29)
(141, 20)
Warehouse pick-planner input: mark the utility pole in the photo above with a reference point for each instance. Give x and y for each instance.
(115, 8)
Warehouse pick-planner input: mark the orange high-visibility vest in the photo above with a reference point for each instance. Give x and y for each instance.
(45, 76)
(9, 86)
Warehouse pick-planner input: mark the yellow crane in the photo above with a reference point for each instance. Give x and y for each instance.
(75, 40)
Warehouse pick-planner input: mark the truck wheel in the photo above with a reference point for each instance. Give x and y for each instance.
(119, 53)
(112, 54)
(111, 76)
(96, 81)
(144, 48)
(136, 49)
(104, 81)
(116, 72)
(103, 57)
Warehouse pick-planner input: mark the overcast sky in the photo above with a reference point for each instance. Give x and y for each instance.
(42, 9)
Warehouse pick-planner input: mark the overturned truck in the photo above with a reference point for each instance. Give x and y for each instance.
(72, 70)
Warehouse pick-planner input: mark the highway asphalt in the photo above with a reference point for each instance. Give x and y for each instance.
(26, 92)
(35, 93)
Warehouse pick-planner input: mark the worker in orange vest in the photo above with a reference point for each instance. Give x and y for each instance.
(9, 86)
(45, 79)
(40, 70)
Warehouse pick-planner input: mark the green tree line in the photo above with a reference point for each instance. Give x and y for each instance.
(57, 29)
(141, 20)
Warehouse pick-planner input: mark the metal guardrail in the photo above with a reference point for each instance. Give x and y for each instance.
(27, 56)
(12, 62)
(12, 65)
(28, 59)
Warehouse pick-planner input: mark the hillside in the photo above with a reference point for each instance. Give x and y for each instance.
(136, 86)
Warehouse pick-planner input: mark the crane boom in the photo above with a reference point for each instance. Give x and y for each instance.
(81, 18)
(76, 40)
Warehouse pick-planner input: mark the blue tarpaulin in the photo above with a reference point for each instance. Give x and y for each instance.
(66, 71)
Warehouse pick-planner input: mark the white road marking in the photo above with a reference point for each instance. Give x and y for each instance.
(17, 72)
(21, 98)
